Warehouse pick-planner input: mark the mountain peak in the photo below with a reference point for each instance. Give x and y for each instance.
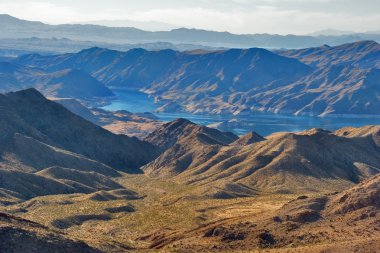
(30, 94)
(170, 133)
(316, 132)
(249, 138)
(181, 121)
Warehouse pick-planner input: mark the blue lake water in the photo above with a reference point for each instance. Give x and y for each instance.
(262, 123)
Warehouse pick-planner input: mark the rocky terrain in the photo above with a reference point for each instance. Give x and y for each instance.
(281, 163)
(45, 150)
(313, 81)
(68, 185)
(345, 222)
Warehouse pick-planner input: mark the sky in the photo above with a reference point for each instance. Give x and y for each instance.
(236, 16)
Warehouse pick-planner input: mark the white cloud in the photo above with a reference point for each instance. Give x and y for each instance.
(238, 16)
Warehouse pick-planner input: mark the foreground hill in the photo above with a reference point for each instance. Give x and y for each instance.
(334, 223)
(49, 122)
(45, 149)
(316, 81)
(185, 145)
(19, 235)
(314, 160)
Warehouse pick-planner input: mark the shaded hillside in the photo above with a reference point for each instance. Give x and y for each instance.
(47, 150)
(119, 122)
(331, 90)
(331, 80)
(363, 54)
(32, 115)
(19, 235)
(286, 162)
(64, 83)
(210, 71)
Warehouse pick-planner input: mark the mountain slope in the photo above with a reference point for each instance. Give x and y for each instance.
(51, 123)
(332, 223)
(64, 83)
(19, 235)
(331, 90)
(115, 68)
(283, 162)
(47, 150)
(363, 53)
(331, 80)
(119, 122)
(184, 145)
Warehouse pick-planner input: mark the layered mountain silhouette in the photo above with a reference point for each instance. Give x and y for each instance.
(45, 149)
(309, 161)
(17, 28)
(315, 81)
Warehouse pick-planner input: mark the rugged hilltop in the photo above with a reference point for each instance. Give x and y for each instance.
(310, 161)
(184, 144)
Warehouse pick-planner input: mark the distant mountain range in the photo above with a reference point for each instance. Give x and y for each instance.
(19, 46)
(313, 81)
(20, 29)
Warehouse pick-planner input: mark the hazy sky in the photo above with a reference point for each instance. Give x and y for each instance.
(238, 16)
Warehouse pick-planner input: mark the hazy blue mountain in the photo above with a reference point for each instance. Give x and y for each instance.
(16, 28)
(161, 70)
(316, 81)
(66, 83)
(330, 32)
(19, 46)
(364, 54)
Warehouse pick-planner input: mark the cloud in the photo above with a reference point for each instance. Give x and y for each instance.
(261, 19)
(238, 16)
